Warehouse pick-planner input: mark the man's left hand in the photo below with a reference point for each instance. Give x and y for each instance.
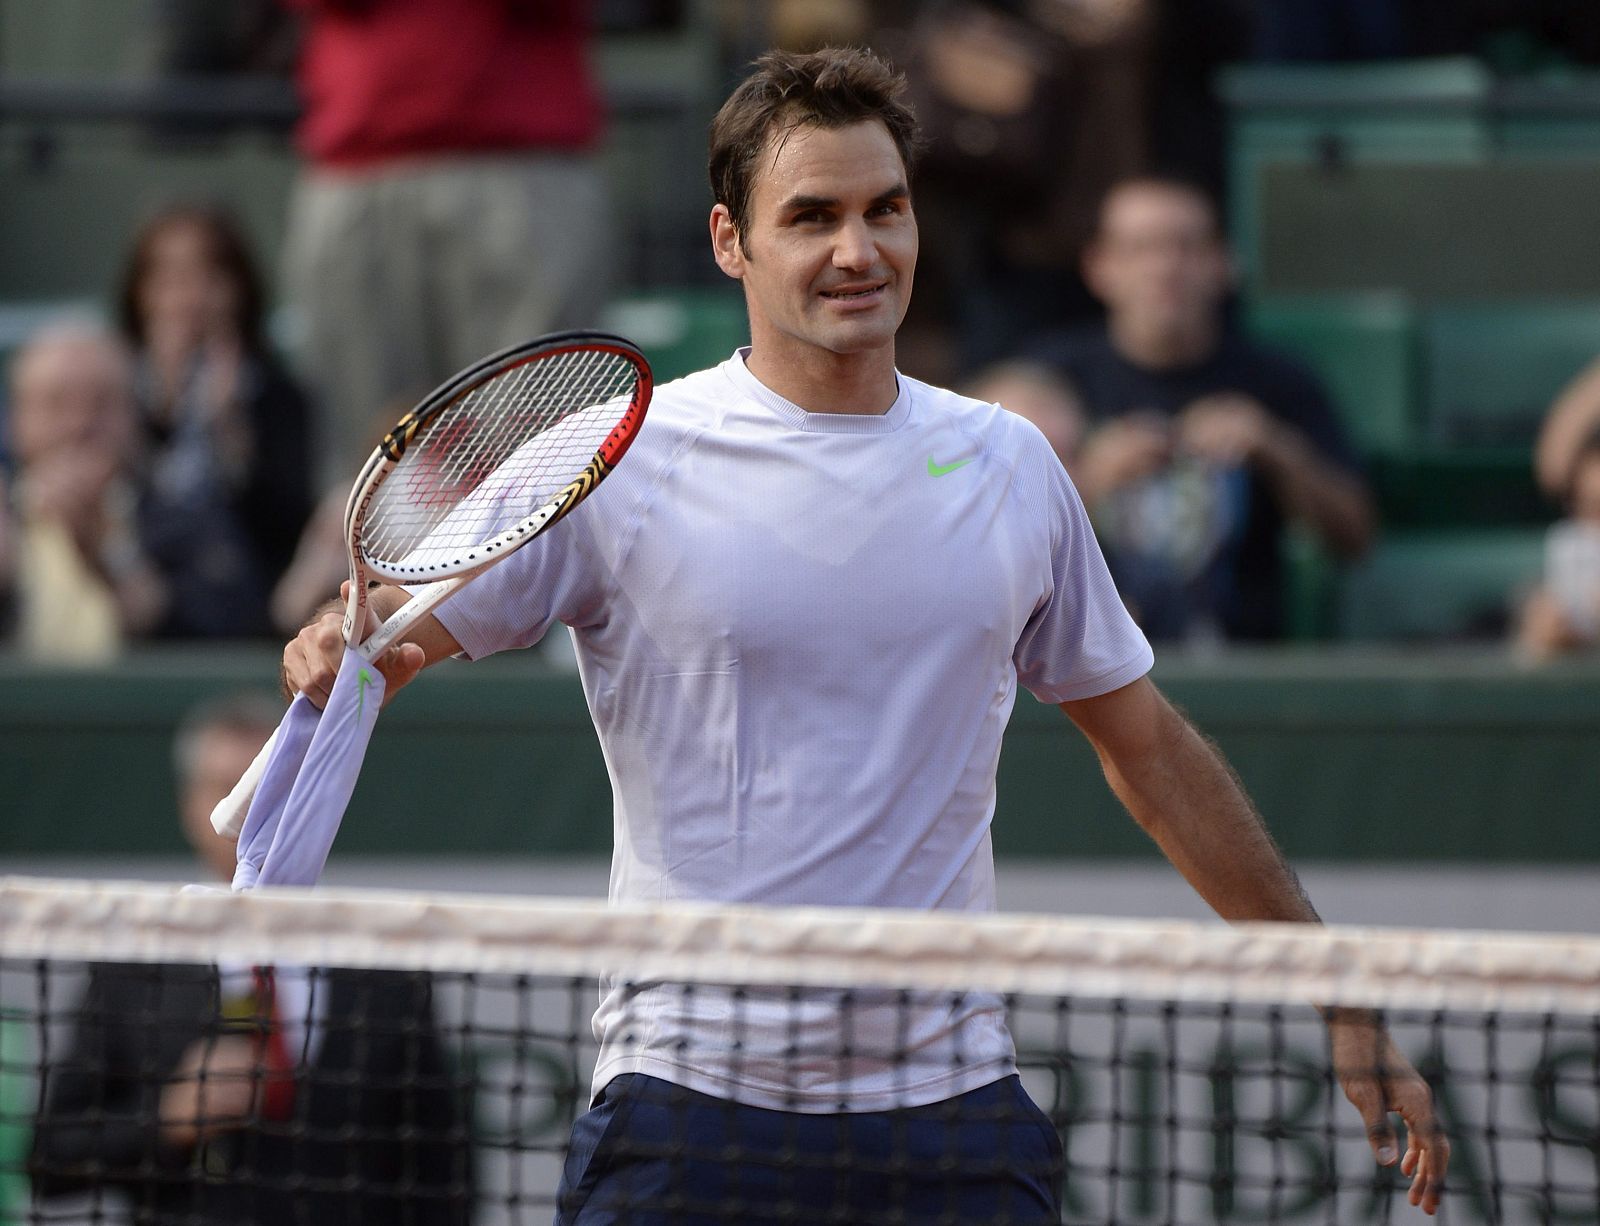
(1380, 1081)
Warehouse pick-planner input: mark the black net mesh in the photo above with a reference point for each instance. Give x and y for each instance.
(252, 1089)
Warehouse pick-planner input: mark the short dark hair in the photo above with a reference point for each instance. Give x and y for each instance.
(1162, 181)
(230, 251)
(832, 88)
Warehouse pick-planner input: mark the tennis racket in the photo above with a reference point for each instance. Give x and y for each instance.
(494, 457)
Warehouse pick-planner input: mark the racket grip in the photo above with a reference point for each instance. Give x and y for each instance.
(227, 819)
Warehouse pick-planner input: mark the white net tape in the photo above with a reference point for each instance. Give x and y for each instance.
(1291, 964)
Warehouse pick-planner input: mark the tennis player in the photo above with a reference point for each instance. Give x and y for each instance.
(801, 612)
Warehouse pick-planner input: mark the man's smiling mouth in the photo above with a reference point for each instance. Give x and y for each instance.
(847, 295)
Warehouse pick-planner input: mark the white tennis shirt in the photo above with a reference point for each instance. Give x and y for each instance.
(800, 636)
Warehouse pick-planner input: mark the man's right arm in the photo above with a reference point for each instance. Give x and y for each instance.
(311, 659)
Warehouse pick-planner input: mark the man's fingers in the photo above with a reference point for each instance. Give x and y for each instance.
(1364, 1088)
(399, 665)
(1380, 1135)
(1427, 1186)
(311, 660)
(1428, 1155)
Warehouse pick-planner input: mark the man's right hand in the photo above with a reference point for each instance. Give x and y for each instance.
(311, 659)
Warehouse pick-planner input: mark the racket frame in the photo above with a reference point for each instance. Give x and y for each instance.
(434, 586)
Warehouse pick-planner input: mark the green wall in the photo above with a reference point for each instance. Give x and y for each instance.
(1393, 757)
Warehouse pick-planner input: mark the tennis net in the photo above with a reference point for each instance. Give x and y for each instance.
(366, 1056)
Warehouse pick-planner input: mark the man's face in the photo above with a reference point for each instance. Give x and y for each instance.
(832, 242)
(1158, 260)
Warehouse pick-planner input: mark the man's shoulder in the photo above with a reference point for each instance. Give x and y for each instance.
(693, 397)
(681, 406)
(1005, 435)
(935, 405)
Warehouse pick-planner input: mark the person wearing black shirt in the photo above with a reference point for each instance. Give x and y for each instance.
(232, 1095)
(1203, 446)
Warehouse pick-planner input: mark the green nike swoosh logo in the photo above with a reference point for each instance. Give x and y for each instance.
(363, 679)
(939, 470)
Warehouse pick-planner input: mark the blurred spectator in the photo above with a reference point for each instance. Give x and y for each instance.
(238, 1095)
(1193, 40)
(810, 25)
(1563, 613)
(226, 482)
(1513, 35)
(1039, 393)
(1204, 446)
(1568, 429)
(1031, 110)
(79, 579)
(1330, 30)
(190, 38)
(451, 205)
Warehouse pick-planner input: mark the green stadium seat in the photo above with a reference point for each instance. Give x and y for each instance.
(681, 330)
(1457, 487)
(16, 1109)
(1365, 87)
(1491, 370)
(1310, 587)
(1363, 347)
(1439, 586)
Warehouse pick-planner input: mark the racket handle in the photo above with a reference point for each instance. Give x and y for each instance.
(227, 819)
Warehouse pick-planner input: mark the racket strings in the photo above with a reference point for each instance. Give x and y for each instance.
(496, 456)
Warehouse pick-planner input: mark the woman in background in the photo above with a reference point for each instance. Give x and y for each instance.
(225, 484)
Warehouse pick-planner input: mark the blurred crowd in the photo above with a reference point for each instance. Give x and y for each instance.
(169, 475)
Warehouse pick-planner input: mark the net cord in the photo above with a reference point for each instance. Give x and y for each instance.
(1030, 954)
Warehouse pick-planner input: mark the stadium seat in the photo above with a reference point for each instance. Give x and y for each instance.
(1363, 347)
(1457, 487)
(1310, 588)
(1490, 370)
(681, 330)
(1439, 586)
(16, 1109)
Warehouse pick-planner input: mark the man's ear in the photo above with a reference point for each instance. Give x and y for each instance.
(725, 246)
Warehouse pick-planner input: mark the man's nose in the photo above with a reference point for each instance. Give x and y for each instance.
(854, 247)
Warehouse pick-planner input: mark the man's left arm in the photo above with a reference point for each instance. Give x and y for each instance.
(1234, 428)
(1181, 790)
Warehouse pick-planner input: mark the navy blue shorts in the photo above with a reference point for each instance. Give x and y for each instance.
(650, 1153)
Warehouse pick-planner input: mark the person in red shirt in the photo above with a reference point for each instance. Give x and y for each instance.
(451, 203)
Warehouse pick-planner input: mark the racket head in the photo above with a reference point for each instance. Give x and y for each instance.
(497, 455)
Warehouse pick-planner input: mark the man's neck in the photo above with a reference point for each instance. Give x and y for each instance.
(822, 382)
(1158, 348)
